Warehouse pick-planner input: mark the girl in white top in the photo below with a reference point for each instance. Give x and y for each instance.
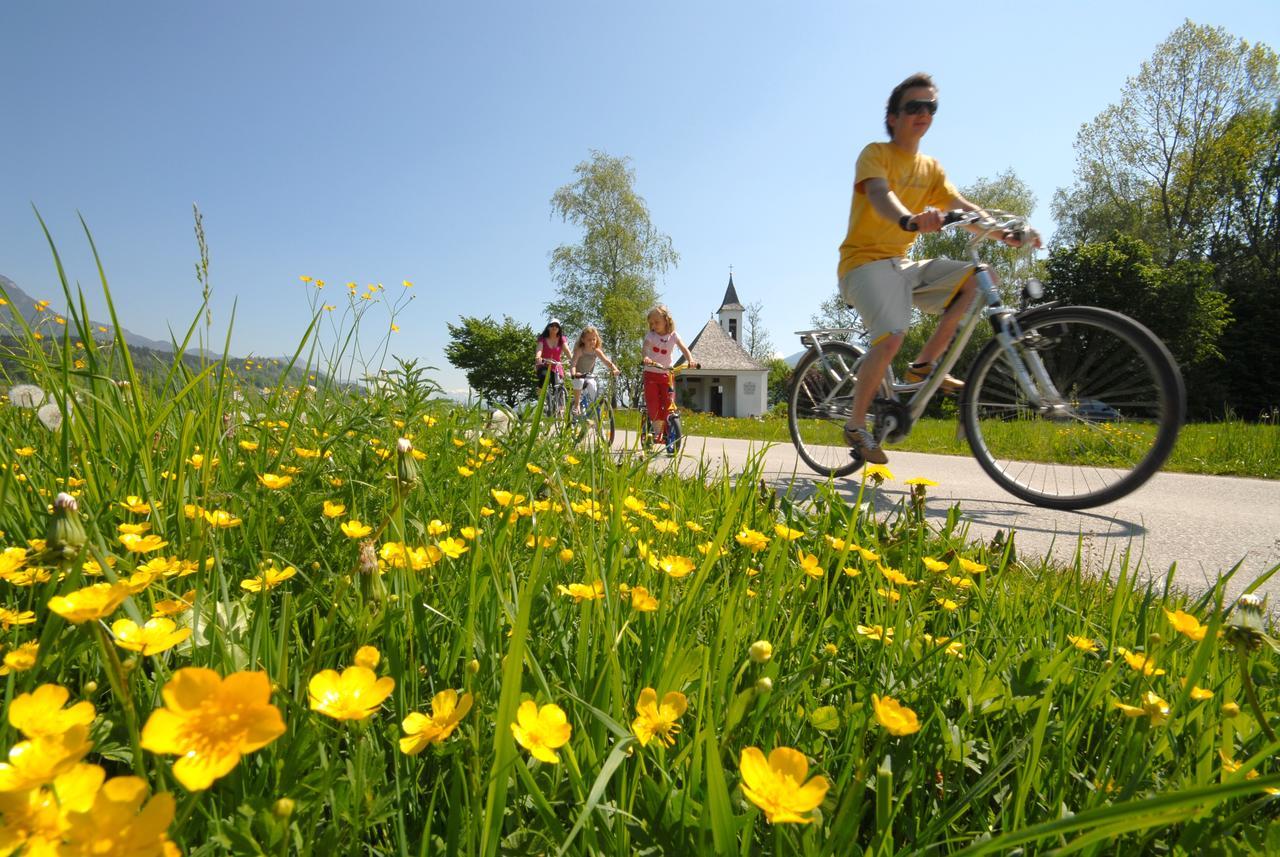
(583, 363)
(658, 351)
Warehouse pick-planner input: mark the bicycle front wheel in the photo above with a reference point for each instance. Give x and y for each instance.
(1110, 422)
(818, 406)
(597, 426)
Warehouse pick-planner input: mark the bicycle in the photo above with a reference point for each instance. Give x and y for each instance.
(1089, 393)
(673, 437)
(553, 401)
(594, 414)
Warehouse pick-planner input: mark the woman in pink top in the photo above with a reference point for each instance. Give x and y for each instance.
(552, 350)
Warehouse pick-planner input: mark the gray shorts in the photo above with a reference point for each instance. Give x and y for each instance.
(882, 292)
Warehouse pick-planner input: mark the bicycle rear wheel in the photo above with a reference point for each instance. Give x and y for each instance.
(818, 406)
(1122, 404)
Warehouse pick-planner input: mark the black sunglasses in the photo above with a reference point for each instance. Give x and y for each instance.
(919, 105)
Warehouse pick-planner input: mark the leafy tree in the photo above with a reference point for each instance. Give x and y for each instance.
(835, 314)
(608, 279)
(779, 380)
(498, 358)
(1247, 257)
(1154, 165)
(756, 340)
(1180, 303)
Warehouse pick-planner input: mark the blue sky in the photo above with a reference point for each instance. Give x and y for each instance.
(382, 141)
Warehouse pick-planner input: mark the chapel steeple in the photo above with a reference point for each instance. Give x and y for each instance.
(730, 312)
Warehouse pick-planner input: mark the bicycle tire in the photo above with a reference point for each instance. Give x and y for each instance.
(821, 394)
(598, 424)
(1124, 405)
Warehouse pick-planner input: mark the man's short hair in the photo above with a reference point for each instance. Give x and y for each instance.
(895, 97)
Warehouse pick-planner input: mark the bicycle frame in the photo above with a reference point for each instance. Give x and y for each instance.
(1027, 366)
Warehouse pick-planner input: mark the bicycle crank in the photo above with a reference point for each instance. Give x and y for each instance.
(892, 421)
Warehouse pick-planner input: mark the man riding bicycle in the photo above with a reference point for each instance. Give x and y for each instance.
(897, 193)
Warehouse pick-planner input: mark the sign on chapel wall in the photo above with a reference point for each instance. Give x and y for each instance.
(749, 388)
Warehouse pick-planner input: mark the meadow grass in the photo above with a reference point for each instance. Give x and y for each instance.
(1230, 447)
(944, 696)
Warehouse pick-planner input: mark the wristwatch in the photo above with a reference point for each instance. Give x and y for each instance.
(904, 223)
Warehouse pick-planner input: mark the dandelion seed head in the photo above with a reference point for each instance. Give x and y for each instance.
(50, 416)
(26, 396)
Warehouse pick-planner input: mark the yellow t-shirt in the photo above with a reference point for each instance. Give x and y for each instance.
(917, 180)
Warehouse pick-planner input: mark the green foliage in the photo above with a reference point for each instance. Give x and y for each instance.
(1019, 740)
(779, 380)
(609, 278)
(497, 357)
(1155, 164)
(1179, 302)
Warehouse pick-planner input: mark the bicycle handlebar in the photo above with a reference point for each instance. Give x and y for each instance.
(991, 223)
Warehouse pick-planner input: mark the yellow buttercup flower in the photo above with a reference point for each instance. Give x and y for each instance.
(658, 720)
(14, 618)
(1186, 624)
(894, 576)
(249, 445)
(333, 509)
(220, 519)
(541, 731)
(37, 761)
(935, 565)
(778, 785)
(1084, 644)
(447, 711)
(580, 592)
(175, 606)
(642, 601)
(971, 567)
(141, 544)
(354, 695)
(268, 578)
(674, 565)
(665, 527)
(354, 529)
(876, 632)
(21, 658)
(119, 821)
(210, 722)
(274, 482)
(1140, 663)
(785, 532)
(1152, 706)
(437, 527)
(156, 636)
(809, 565)
(753, 540)
(90, 603)
(837, 544)
(506, 498)
(368, 657)
(895, 717)
(453, 548)
(137, 505)
(41, 712)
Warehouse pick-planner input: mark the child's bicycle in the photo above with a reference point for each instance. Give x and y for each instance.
(593, 417)
(674, 436)
(1065, 407)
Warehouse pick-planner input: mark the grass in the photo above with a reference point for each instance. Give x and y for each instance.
(507, 570)
(1231, 447)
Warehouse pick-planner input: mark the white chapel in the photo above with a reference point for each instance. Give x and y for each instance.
(729, 383)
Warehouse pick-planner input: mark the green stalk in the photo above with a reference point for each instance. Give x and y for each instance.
(120, 688)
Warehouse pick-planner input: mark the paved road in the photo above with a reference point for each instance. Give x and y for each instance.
(1204, 524)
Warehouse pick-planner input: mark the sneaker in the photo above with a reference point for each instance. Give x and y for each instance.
(917, 372)
(861, 441)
